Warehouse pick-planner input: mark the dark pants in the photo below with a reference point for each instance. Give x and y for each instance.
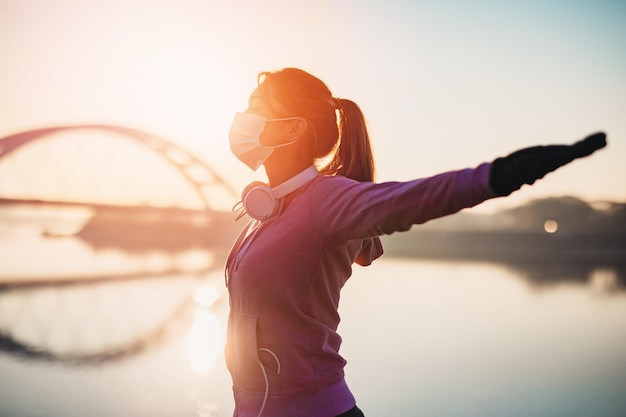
(355, 412)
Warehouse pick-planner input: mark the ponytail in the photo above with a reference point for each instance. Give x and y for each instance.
(353, 157)
(338, 129)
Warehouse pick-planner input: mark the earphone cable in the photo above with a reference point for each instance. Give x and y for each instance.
(267, 383)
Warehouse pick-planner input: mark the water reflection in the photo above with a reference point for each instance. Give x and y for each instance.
(89, 323)
(601, 277)
(205, 340)
(479, 333)
(32, 259)
(605, 280)
(122, 284)
(148, 318)
(486, 336)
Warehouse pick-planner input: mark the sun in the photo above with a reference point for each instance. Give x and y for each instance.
(196, 97)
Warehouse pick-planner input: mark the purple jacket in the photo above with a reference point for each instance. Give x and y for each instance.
(285, 279)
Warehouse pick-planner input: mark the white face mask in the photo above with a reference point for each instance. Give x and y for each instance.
(244, 138)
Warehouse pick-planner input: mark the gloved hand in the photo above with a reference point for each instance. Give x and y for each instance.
(530, 164)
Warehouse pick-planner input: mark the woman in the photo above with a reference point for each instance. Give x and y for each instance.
(286, 270)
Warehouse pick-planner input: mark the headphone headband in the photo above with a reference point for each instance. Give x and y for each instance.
(295, 182)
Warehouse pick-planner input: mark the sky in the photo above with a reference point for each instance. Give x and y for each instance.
(444, 85)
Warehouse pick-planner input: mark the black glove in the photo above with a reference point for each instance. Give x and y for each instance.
(530, 164)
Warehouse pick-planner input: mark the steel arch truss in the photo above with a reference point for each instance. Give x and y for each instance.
(200, 175)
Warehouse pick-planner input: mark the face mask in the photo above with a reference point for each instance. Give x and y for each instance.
(244, 138)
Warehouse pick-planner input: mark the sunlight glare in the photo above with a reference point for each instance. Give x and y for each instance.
(205, 296)
(204, 342)
(194, 259)
(197, 97)
(551, 226)
(604, 280)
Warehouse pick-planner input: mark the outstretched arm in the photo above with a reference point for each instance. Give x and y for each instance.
(348, 209)
(530, 164)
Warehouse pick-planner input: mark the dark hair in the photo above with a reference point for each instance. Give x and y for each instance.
(338, 128)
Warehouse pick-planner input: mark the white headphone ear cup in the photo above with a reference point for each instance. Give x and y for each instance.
(250, 187)
(259, 201)
(262, 202)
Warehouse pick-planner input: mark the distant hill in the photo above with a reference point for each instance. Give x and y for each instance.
(543, 230)
(567, 214)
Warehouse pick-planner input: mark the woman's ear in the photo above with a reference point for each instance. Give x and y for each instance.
(298, 128)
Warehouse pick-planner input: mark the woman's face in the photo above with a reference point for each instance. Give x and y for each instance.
(257, 104)
(275, 132)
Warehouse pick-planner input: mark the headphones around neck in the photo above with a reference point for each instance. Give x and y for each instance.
(262, 202)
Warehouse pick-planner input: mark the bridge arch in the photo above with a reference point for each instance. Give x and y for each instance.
(195, 172)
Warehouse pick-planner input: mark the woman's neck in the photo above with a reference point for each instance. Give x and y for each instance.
(277, 173)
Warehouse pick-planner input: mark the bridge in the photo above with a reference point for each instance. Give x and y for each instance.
(209, 187)
(105, 233)
(140, 187)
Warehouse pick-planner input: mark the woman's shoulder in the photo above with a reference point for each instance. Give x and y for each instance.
(333, 181)
(332, 184)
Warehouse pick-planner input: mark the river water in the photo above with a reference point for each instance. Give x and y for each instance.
(107, 333)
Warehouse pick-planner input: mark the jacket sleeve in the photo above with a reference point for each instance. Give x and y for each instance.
(347, 209)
